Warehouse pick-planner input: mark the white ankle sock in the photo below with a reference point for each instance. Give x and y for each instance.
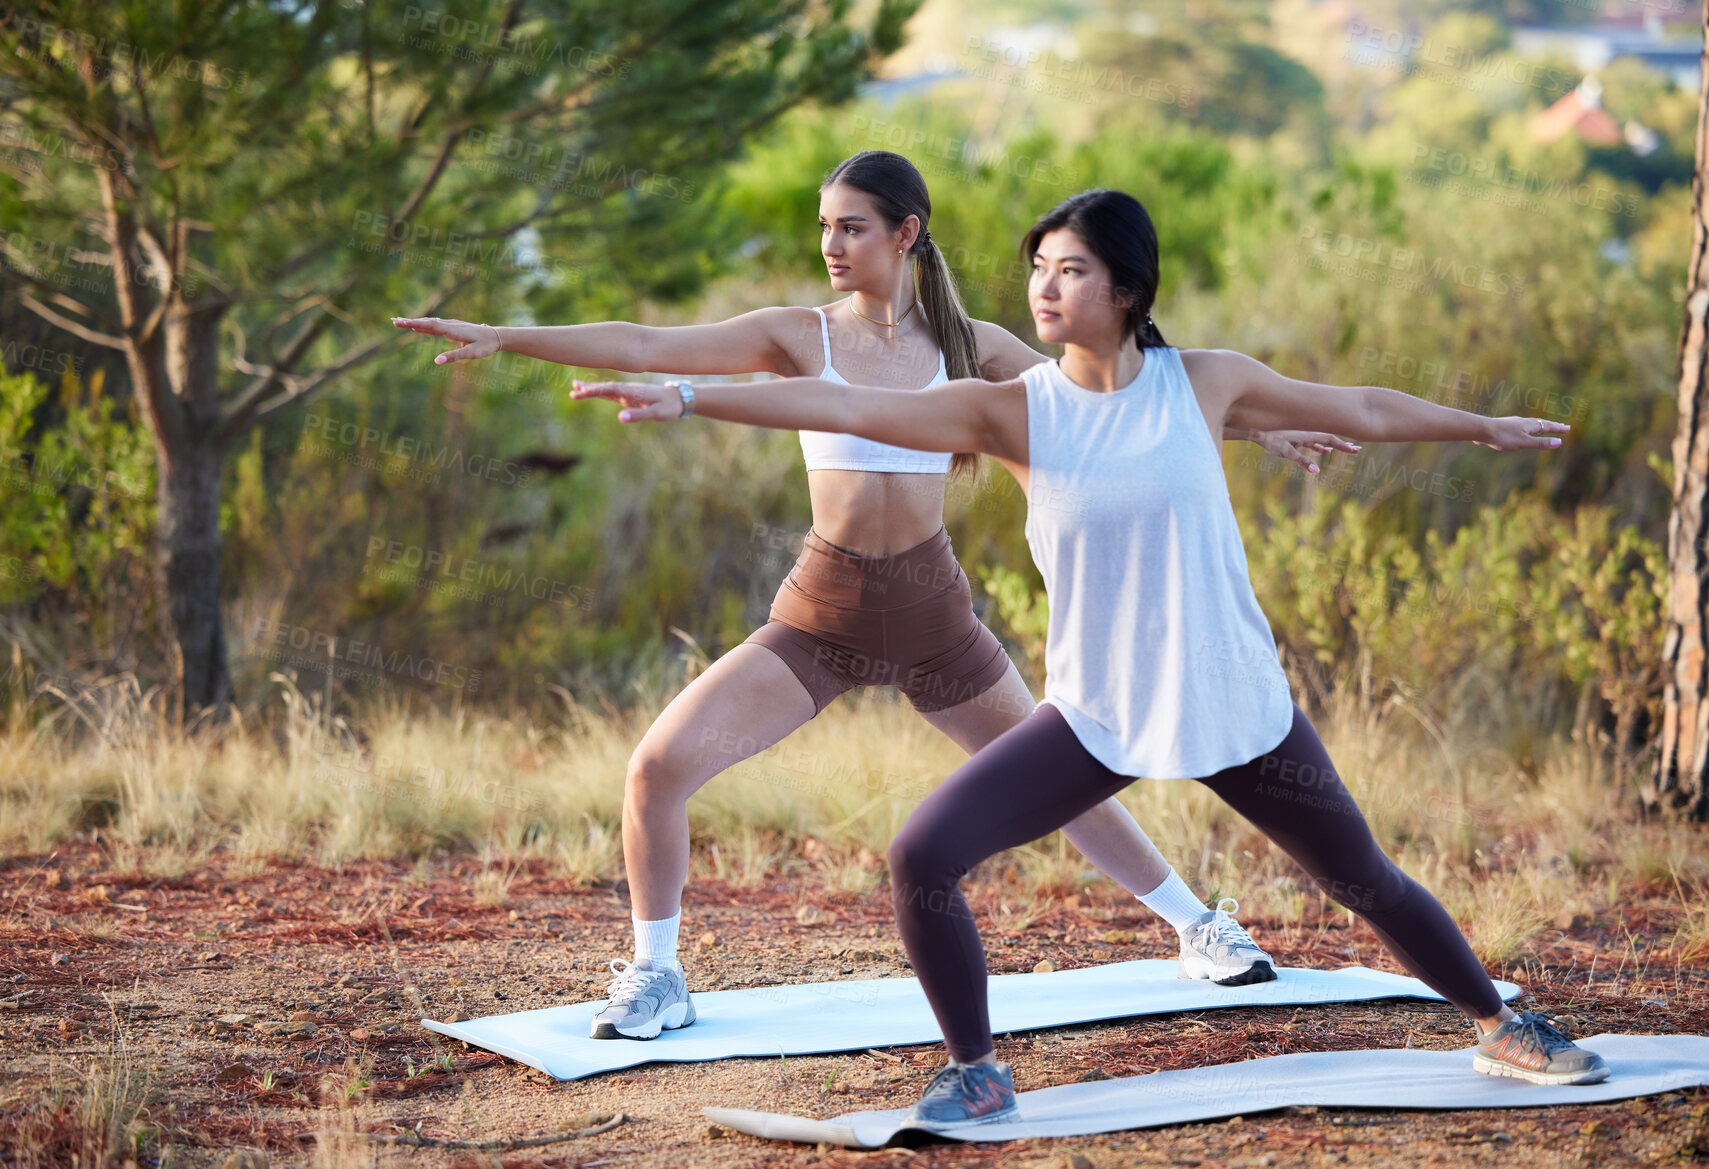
(655, 941)
(1174, 902)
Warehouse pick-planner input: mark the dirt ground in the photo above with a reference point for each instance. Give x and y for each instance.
(269, 1006)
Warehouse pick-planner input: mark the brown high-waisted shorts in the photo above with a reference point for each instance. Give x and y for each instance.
(904, 620)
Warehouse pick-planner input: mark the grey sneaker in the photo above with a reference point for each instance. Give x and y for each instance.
(642, 1001)
(1218, 948)
(1528, 1047)
(967, 1093)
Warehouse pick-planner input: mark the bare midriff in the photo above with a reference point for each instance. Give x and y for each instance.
(876, 513)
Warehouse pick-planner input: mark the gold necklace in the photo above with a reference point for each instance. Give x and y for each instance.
(886, 324)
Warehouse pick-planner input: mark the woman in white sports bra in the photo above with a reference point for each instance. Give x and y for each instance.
(876, 597)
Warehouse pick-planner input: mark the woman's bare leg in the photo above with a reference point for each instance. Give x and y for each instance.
(745, 702)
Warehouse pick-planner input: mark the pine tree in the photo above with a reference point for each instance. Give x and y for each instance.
(236, 194)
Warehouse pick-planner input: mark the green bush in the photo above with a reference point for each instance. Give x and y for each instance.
(76, 517)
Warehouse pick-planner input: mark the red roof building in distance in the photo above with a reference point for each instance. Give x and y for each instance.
(1579, 112)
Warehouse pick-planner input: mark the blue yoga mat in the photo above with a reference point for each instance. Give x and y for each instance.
(815, 1017)
(1640, 1065)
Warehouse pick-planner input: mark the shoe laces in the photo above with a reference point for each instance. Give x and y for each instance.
(1223, 928)
(630, 980)
(1537, 1028)
(958, 1077)
(944, 1082)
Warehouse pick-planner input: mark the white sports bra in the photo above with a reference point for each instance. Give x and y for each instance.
(847, 452)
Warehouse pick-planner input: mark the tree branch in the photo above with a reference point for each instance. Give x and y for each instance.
(306, 384)
(71, 326)
(565, 102)
(270, 377)
(449, 147)
(541, 204)
(64, 301)
(436, 169)
(157, 254)
(22, 175)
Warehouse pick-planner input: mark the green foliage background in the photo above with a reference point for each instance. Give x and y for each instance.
(1348, 225)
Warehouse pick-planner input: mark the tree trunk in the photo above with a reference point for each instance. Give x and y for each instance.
(187, 576)
(1679, 782)
(173, 355)
(188, 554)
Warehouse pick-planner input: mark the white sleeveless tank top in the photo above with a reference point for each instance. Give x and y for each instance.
(847, 452)
(1156, 652)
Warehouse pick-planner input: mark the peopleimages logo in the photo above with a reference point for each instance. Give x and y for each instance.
(349, 656)
(413, 450)
(1381, 255)
(555, 167)
(1467, 389)
(426, 238)
(920, 145)
(58, 146)
(1441, 162)
(1415, 53)
(77, 45)
(534, 51)
(1074, 78)
(499, 581)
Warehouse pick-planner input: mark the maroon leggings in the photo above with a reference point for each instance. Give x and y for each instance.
(1036, 777)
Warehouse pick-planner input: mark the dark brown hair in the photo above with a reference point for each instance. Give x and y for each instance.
(1120, 233)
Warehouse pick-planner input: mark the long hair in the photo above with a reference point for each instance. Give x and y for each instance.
(898, 190)
(1120, 233)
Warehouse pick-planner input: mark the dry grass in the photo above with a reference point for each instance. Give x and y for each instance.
(1691, 941)
(1508, 848)
(341, 1140)
(93, 1116)
(492, 884)
(591, 854)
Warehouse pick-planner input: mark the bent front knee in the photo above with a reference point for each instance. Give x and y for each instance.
(655, 780)
(909, 861)
(917, 862)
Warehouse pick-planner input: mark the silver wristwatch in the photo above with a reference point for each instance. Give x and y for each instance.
(685, 390)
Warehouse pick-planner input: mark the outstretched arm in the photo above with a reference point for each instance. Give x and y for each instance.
(1257, 396)
(756, 342)
(963, 415)
(1002, 356)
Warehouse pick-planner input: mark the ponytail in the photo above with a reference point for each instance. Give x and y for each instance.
(949, 319)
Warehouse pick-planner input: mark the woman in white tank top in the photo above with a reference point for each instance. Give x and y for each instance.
(1161, 664)
(877, 508)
